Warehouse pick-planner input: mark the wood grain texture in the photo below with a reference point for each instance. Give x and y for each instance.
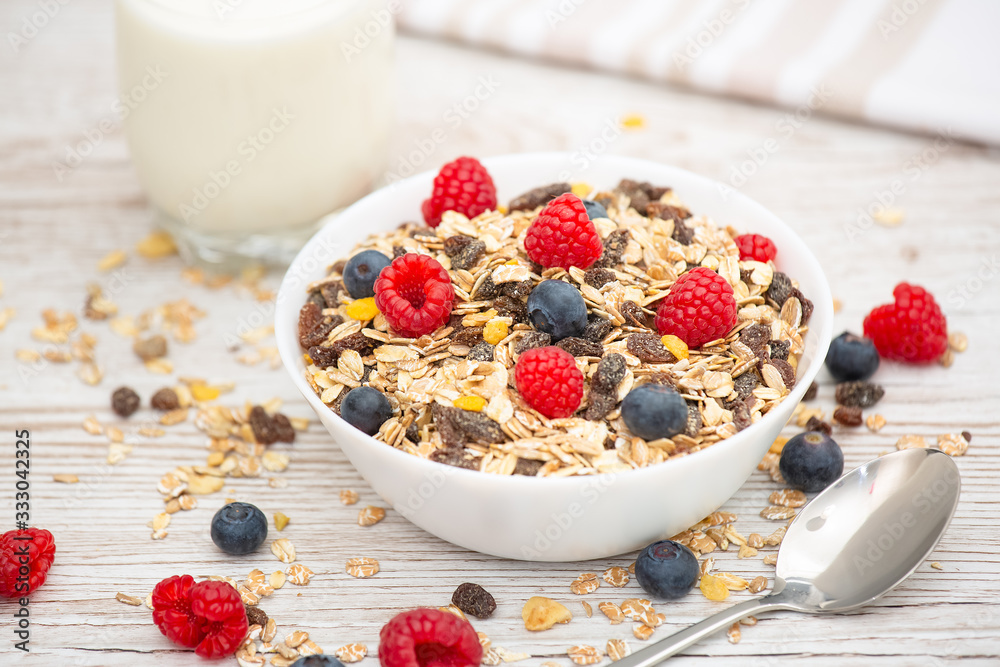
(52, 234)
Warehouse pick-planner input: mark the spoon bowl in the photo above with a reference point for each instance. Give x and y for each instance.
(856, 541)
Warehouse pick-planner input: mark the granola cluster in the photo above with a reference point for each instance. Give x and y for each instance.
(453, 391)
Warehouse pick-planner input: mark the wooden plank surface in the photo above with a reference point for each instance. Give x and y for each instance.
(53, 232)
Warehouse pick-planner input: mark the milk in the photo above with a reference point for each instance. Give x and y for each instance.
(265, 114)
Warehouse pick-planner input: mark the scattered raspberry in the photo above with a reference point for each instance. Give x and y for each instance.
(562, 235)
(700, 307)
(549, 381)
(415, 295)
(208, 616)
(756, 247)
(428, 638)
(464, 186)
(913, 328)
(37, 549)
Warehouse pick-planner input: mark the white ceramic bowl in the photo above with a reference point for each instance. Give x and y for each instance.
(574, 518)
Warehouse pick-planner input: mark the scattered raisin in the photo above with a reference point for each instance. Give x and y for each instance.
(817, 424)
(694, 420)
(597, 278)
(455, 456)
(609, 374)
(474, 600)
(539, 196)
(967, 436)
(458, 427)
(467, 336)
(600, 405)
(124, 401)
(779, 349)
(614, 247)
(481, 351)
(265, 431)
(745, 383)
(284, 429)
(786, 371)
(527, 467)
(861, 393)
(165, 399)
(150, 348)
(529, 340)
(848, 416)
(649, 348)
(514, 308)
(487, 289)
(811, 392)
(597, 329)
(313, 327)
(634, 315)
(780, 289)
(580, 347)
(517, 289)
(255, 615)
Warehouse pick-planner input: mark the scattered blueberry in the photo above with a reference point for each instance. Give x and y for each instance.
(852, 358)
(318, 660)
(361, 271)
(365, 409)
(666, 569)
(557, 308)
(595, 210)
(239, 528)
(811, 461)
(653, 411)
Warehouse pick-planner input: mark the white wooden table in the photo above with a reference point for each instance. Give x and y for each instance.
(53, 233)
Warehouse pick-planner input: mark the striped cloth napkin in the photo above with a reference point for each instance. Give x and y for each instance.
(930, 66)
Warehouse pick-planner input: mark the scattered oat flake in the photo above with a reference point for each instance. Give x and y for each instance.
(633, 121)
(348, 497)
(157, 244)
(952, 444)
(911, 442)
(585, 583)
(958, 341)
(875, 422)
(584, 655)
(296, 638)
(587, 609)
(128, 599)
(370, 515)
(541, 613)
(788, 498)
(616, 576)
(352, 652)
(771, 559)
(618, 649)
(112, 260)
(92, 426)
(277, 579)
(775, 513)
(758, 584)
(65, 479)
(298, 574)
(283, 549)
(362, 567)
(642, 631)
(936, 565)
(612, 611)
(713, 588)
(734, 634)
(511, 656)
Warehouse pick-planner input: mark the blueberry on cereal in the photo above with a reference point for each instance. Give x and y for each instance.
(365, 409)
(557, 308)
(361, 272)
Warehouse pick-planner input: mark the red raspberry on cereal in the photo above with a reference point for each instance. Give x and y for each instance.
(415, 295)
(700, 307)
(549, 381)
(562, 235)
(756, 247)
(462, 185)
(912, 328)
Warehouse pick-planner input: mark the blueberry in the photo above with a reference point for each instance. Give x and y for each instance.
(361, 271)
(811, 461)
(239, 528)
(365, 409)
(318, 660)
(666, 569)
(653, 411)
(595, 210)
(557, 308)
(852, 358)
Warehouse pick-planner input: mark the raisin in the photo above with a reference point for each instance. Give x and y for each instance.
(338, 266)
(597, 329)
(514, 308)
(694, 420)
(366, 374)
(807, 305)
(313, 327)
(682, 233)
(458, 427)
(527, 467)
(780, 289)
(413, 432)
(614, 247)
(256, 615)
(457, 457)
(453, 245)
(741, 415)
(634, 315)
(779, 349)
(469, 255)
(649, 348)
(487, 289)
(967, 435)
(811, 392)
(317, 298)
(636, 192)
(325, 356)
(817, 424)
(786, 371)
(667, 211)
(150, 348)
(398, 251)
(580, 347)
(467, 336)
(265, 431)
(756, 337)
(609, 374)
(481, 351)
(848, 416)
(124, 401)
(597, 278)
(517, 289)
(335, 406)
(165, 399)
(529, 340)
(331, 294)
(539, 196)
(283, 428)
(746, 383)
(600, 406)
(861, 394)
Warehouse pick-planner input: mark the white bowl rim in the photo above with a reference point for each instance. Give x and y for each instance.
(290, 353)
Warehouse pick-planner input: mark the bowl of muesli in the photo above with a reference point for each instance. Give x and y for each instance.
(554, 365)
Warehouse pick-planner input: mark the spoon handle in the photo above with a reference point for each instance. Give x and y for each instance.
(679, 641)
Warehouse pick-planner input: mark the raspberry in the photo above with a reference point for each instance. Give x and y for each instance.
(562, 235)
(41, 550)
(428, 638)
(414, 293)
(756, 247)
(464, 186)
(208, 616)
(913, 328)
(700, 307)
(549, 381)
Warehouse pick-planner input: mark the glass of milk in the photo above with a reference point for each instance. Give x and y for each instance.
(256, 118)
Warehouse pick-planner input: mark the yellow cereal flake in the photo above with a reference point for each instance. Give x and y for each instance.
(581, 190)
(633, 121)
(157, 244)
(280, 521)
(201, 392)
(713, 588)
(495, 331)
(502, 209)
(677, 347)
(112, 260)
(362, 309)
(778, 444)
(471, 403)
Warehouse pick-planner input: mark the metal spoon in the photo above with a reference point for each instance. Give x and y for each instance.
(855, 541)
